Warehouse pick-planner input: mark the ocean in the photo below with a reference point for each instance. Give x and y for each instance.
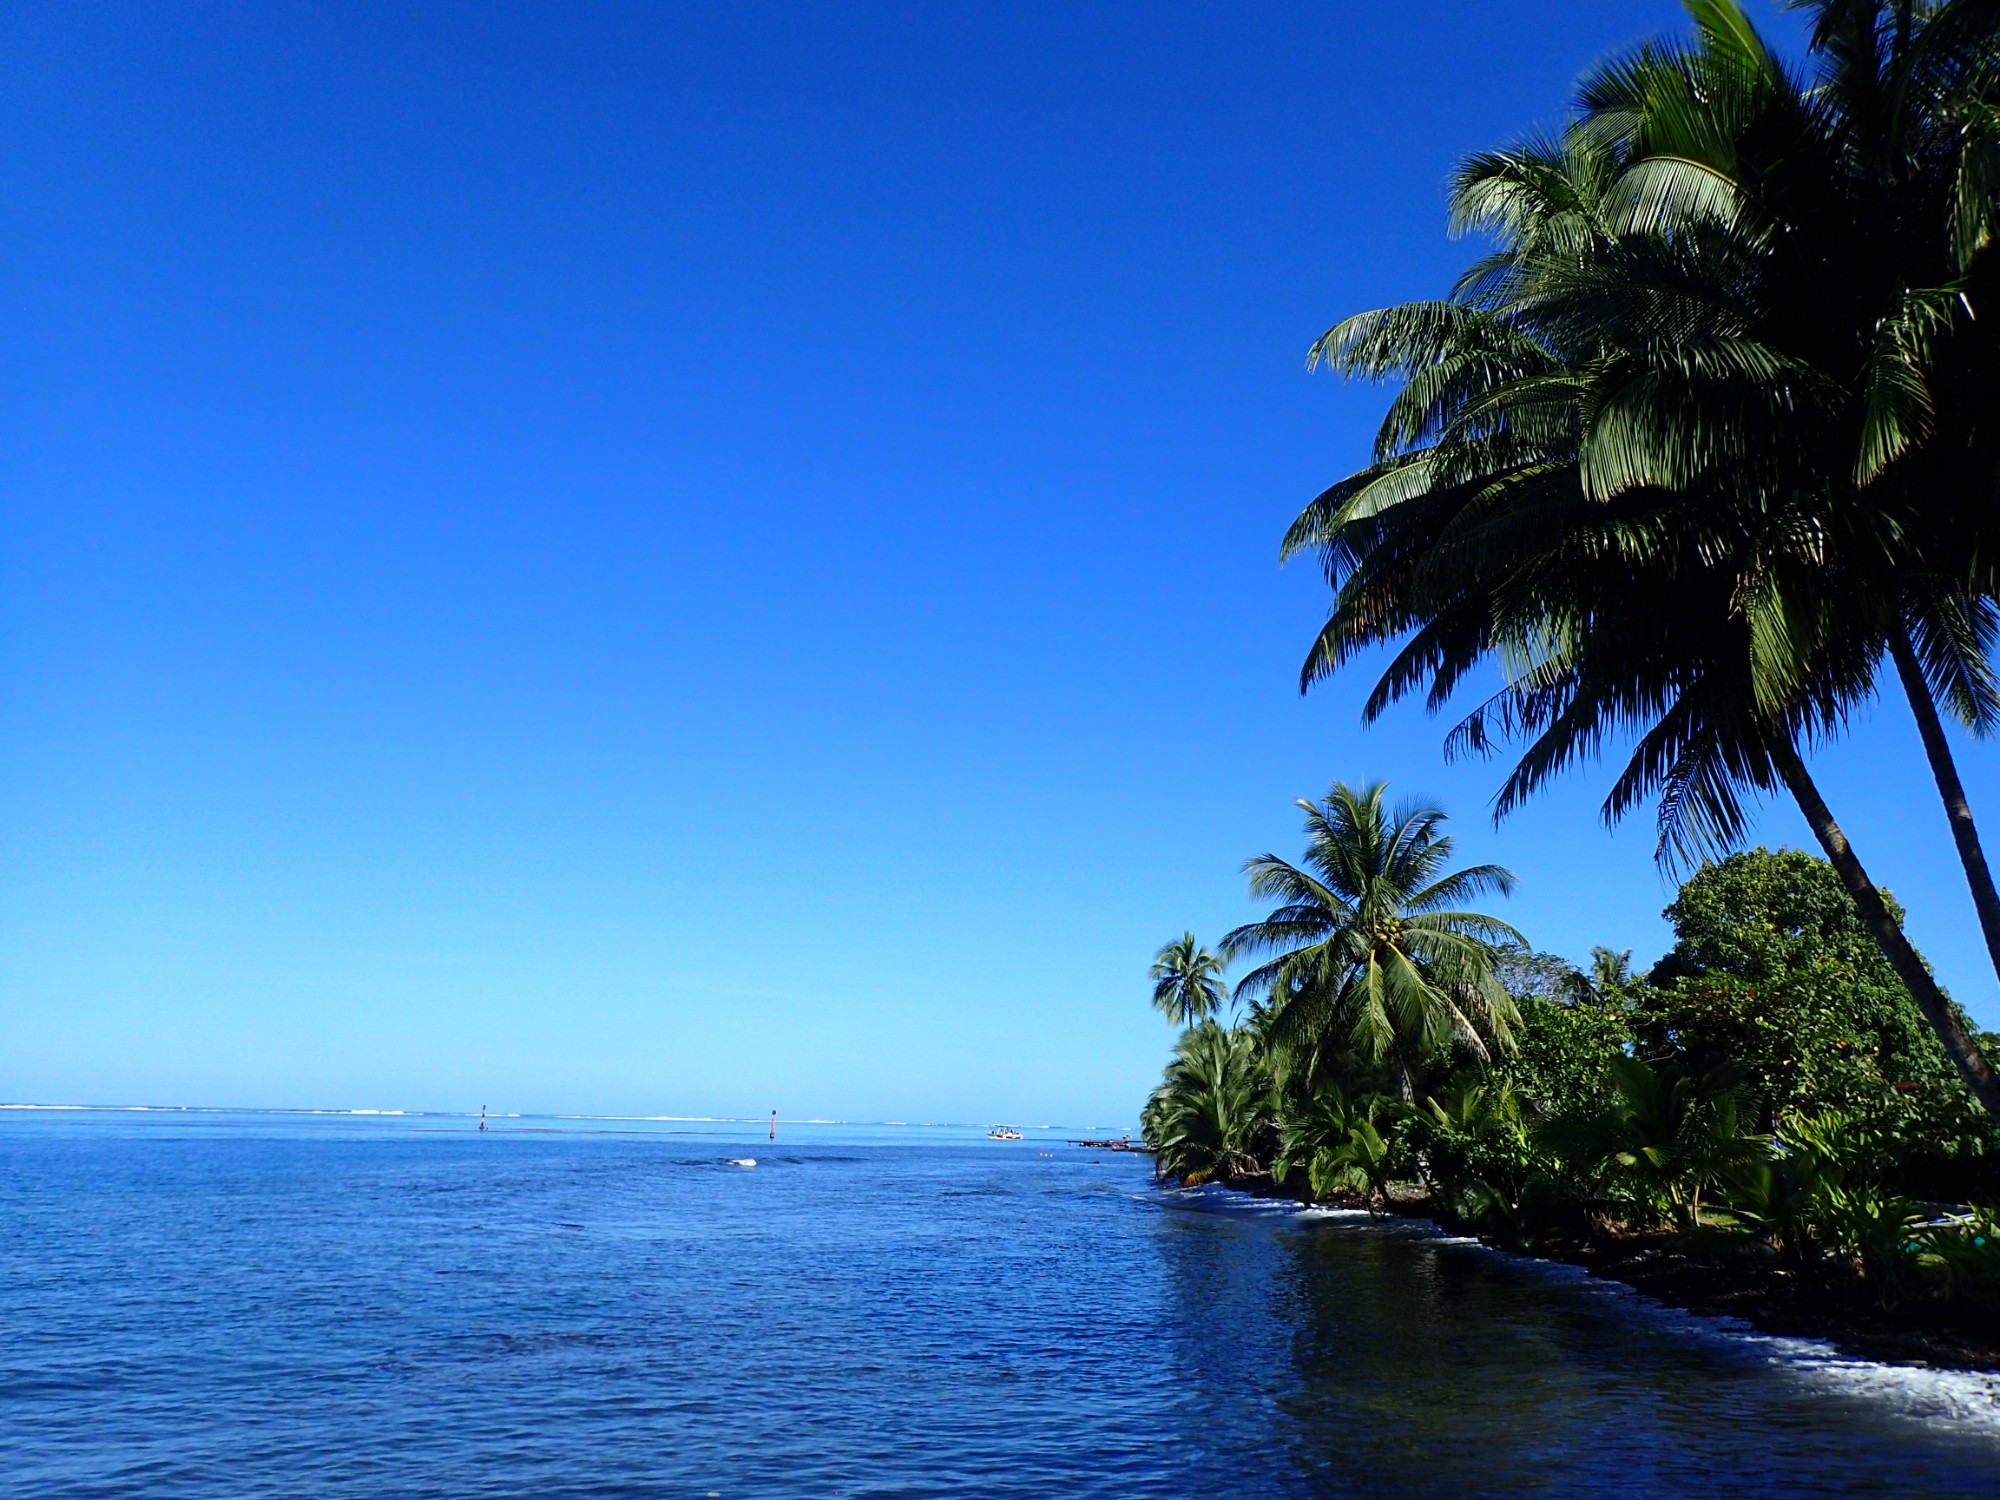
(244, 1304)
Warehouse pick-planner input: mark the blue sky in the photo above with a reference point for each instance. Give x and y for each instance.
(693, 559)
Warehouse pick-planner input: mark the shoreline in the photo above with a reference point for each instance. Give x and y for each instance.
(1924, 1333)
(1758, 1291)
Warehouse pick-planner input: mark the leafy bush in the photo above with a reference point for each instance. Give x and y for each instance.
(1472, 1140)
(1676, 1137)
(1567, 1044)
(1308, 1126)
(1214, 1115)
(1772, 970)
(1825, 1194)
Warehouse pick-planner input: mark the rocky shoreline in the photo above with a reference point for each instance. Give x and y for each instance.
(1774, 1298)
(1737, 1281)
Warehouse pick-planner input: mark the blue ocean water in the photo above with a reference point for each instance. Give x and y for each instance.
(254, 1305)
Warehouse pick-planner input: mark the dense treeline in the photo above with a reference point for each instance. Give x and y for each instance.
(1767, 1088)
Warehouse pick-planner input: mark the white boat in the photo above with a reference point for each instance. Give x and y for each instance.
(1003, 1133)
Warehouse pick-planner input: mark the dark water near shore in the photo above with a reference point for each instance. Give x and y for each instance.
(227, 1305)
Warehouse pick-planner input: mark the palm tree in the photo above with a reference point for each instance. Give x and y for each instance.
(1214, 1114)
(1366, 949)
(1187, 982)
(1610, 979)
(1868, 206)
(1623, 467)
(1315, 1124)
(1679, 1136)
(1364, 1163)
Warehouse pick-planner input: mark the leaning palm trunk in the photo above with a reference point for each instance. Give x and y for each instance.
(1943, 1017)
(1958, 811)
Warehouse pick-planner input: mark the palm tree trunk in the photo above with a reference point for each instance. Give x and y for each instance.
(1944, 1018)
(1403, 1090)
(1985, 900)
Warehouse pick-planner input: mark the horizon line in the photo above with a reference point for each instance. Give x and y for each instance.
(28, 1106)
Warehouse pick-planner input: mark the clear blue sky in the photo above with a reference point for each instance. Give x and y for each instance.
(693, 559)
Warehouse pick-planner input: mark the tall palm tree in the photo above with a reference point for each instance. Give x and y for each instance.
(1869, 202)
(1367, 950)
(1187, 982)
(1622, 467)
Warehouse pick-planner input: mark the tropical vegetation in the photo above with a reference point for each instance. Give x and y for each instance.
(1767, 1087)
(1705, 441)
(1213, 1115)
(1697, 457)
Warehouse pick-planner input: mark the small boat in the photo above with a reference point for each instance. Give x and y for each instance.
(742, 1161)
(1003, 1133)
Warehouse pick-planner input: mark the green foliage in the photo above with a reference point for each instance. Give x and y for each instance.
(1573, 1029)
(1676, 1137)
(1795, 1197)
(1572, 1128)
(1769, 1082)
(1760, 914)
(1825, 1193)
(1566, 1046)
(1337, 1143)
(1773, 970)
(1314, 1123)
(1214, 1114)
(1473, 1137)
(1363, 1163)
(1529, 975)
(1880, 1230)
(1610, 980)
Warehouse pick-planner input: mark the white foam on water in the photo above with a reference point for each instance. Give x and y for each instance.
(1961, 1401)
(123, 1109)
(1319, 1211)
